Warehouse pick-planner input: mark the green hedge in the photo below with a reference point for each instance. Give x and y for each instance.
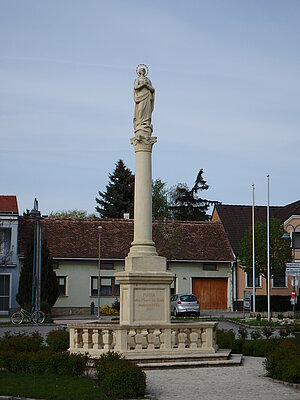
(277, 303)
(21, 342)
(284, 362)
(119, 377)
(43, 361)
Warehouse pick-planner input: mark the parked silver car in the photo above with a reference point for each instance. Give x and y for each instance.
(184, 304)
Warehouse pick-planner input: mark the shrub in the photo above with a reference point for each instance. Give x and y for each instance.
(58, 340)
(284, 362)
(119, 377)
(242, 333)
(44, 361)
(108, 310)
(267, 331)
(116, 305)
(21, 342)
(255, 334)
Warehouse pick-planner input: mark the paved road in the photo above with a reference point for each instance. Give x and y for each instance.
(225, 383)
(45, 329)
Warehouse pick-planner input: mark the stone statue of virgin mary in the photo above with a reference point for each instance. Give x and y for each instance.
(144, 102)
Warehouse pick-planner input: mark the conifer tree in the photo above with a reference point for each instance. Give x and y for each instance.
(187, 205)
(49, 283)
(119, 194)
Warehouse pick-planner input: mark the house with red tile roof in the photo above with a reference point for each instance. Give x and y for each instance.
(9, 264)
(198, 253)
(236, 220)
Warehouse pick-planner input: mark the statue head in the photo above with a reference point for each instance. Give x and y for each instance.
(142, 70)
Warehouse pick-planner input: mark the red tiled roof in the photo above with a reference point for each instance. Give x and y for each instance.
(237, 219)
(69, 238)
(8, 204)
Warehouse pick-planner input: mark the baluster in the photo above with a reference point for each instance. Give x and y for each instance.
(181, 339)
(86, 338)
(151, 340)
(174, 338)
(96, 339)
(194, 335)
(138, 340)
(107, 339)
(130, 339)
(78, 339)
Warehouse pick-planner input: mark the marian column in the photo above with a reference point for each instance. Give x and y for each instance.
(145, 284)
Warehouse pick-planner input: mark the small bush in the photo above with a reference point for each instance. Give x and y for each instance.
(108, 310)
(58, 340)
(116, 305)
(256, 334)
(242, 333)
(267, 331)
(284, 362)
(119, 377)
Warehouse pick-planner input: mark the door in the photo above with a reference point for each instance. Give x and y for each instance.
(4, 293)
(211, 293)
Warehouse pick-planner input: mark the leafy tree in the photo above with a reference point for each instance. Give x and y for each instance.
(71, 214)
(280, 249)
(187, 205)
(119, 195)
(160, 204)
(49, 283)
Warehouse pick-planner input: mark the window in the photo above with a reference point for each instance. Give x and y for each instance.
(249, 281)
(4, 292)
(108, 287)
(296, 240)
(5, 240)
(279, 280)
(209, 267)
(62, 284)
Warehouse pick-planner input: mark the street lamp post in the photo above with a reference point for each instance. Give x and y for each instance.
(99, 264)
(253, 247)
(268, 249)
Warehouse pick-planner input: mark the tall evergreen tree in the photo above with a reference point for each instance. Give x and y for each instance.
(49, 283)
(160, 206)
(187, 205)
(119, 195)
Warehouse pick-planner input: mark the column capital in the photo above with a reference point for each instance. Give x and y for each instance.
(143, 142)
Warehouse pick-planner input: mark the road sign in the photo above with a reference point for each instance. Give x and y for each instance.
(293, 269)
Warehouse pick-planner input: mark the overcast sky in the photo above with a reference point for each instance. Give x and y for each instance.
(227, 80)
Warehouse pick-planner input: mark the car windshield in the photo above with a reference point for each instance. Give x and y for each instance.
(188, 297)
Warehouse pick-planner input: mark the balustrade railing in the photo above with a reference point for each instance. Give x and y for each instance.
(96, 339)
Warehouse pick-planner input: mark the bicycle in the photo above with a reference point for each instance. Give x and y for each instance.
(35, 316)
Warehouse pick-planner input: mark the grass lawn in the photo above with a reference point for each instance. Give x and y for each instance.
(53, 387)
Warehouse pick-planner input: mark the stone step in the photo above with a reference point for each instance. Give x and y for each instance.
(161, 357)
(235, 360)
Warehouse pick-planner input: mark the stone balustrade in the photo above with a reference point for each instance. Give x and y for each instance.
(176, 338)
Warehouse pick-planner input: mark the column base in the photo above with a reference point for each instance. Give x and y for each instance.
(144, 295)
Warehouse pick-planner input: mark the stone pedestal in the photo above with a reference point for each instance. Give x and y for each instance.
(145, 283)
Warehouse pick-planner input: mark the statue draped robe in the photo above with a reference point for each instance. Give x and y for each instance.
(144, 105)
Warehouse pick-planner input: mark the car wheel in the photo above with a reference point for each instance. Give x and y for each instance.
(175, 312)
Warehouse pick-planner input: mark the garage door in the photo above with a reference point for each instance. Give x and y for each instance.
(211, 293)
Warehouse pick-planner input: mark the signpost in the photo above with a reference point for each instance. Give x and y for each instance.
(247, 301)
(293, 270)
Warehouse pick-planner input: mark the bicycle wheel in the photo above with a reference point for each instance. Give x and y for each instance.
(38, 317)
(16, 318)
